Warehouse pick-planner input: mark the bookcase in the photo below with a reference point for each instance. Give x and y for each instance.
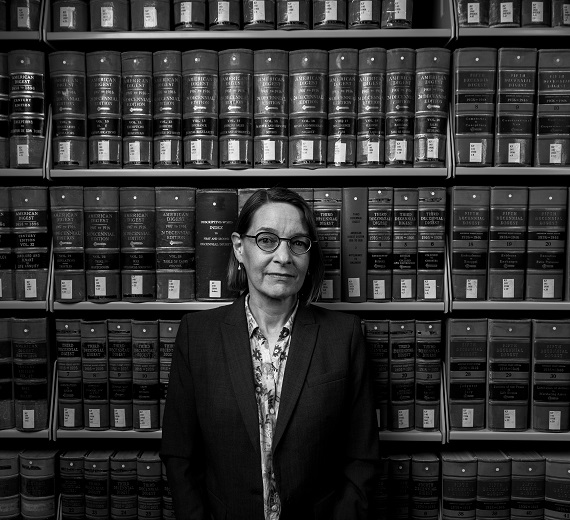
(435, 25)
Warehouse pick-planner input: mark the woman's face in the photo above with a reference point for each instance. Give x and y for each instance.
(278, 275)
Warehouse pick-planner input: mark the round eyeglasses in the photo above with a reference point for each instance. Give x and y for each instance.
(269, 242)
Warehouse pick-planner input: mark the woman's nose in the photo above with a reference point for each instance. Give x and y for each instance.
(283, 253)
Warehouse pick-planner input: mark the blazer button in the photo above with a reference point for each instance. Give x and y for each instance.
(274, 507)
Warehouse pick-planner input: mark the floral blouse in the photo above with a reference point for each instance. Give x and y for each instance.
(268, 371)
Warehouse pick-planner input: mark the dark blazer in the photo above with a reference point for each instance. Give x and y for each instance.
(325, 447)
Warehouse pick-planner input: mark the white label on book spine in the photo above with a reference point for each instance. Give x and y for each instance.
(107, 16)
(467, 418)
(400, 9)
(339, 152)
(150, 17)
(144, 419)
(432, 148)
(471, 288)
(509, 418)
(258, 10)
(69, 417)
(354, 287)
(473, 15)
(100, 286)
(215, 289)
(406, 288)
(554, 417)
(537, 12)
(135, 151)
(548, 287)
(428, 419)
(514, 153)
(166, 151)
(66, 289)
(67, 17)
(24, 17)
(401, 150)
(373, 151)
(508, 288)
(103, 151)
(223, 11)
(196, 150)
(327, 290)
(233, 150)
(30, 288)
(28, 419)
(430, 292)
(119, 418)
(23, 153)
(306, 150)
(330, 10)
(94, 418)
(506, 12)
(292, 11)
(476, 152)
(185, 12)
(268, 150)
(173, 289)
(64, 151)
(136, 284)
(379, 288)
(403, 418)
(366, 10)
(566, 14)
(556, 153)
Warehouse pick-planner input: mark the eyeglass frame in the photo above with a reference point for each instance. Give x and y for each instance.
(280, 239)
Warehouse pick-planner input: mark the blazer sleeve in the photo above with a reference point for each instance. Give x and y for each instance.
(182, 446)
(362, 448)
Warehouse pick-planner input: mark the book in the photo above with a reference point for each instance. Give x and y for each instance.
(493, 484)
(556, 479)
(72, 483)
(399, 485)
(69, 372)
(470, 207)
(516, 97)
(38, 494)
(7, 417)
(466, 372)
(4, 112)
(216, 216)
(120, 348)
(546, 242)
(379, 246)
(138, 243)
(508, 220)
(353, 244)
(425, 488)
(405, 244)
(527, 483)
(560, 11)
(535, 14)
(10, 482)
(474, 84)
(504, 14)
(97, 483)
(7, 278)
(167, 503)
(102, 244)
(123, 483)
(432, 218)
(508, 382)
(149, 481)
(167, 331)
(473, 13)
(458, 484)
(551, 139)
(327, 208)
(380, 496)
(67, 226)
(396, 14)
(550, 375)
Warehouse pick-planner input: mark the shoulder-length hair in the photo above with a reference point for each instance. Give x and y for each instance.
(311, 288)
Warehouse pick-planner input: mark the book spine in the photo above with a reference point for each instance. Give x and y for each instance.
(72, 483)
(216, 215)
(380, 497)
(10, 483)
(535, 14)
(175, 246)
(7, 417)
(102, 244)
(37, 483)
(258, 14)
(428, 356)
(7, 277)
(552, 142)
(504, 14)
(123, 484)
(138, 243)
(97, 484)
(473, 13)
(469, 242)
(432, 216)
(508, 384)
(546, 243)
(167, 330)
(4, 112)
(364, 14)
(379, 246)
(560, 13)
(167, 503)
(507, 242)
(551, 375)
(119, 342)
(67, 225)
(458, 484)
(397, 14)
(95, 372)
(400, 107)
(69, 370)
(475, 76)
(556, 503)
(527, 484)
(405, 244)
(432, 106)
(399, 485)
(493, 484)
(401, 359)
(425, 487)
(467, 372)
(328, 215)
(149, 480)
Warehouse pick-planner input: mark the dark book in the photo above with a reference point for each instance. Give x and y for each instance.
(98, 483)
(380, 241)
(507, 242)
(399, 486)
(7, 276)
(550, 375)
(149, 484)
(504, 14)
(167, 330)
(380, 496)
(10, 482)
(493, 484)
(466, 373)
(474, 84)
(552, 139)
(458, 484)
(473, 13)
(67, 226)
(397, 14)
(38, 494)
(425, 489)
(119, 342)
(527, 483)
(7, 416)
(4, 110)
(556, 482)
(69, 372)
(72, 483)
(469, 241)
(508, 382)
(216, 215)
(167, 503)
(560, 13)
(546, 242)
(123, 484)
(535, 14)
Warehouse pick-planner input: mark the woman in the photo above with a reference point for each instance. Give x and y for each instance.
(269, 414)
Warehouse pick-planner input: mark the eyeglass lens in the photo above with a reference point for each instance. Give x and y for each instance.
(299, 244)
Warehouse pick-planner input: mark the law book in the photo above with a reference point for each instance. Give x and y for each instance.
(72, 483)
(467, 372)
(473, 13)
(396, 14)
(32, 373)
(552, 139)
(515, 109)
(38, 494)
(10, 482)
(470, 207)
(4, 112)
(550, 375)
(493, 484)
(399, 486)
(474, 84)
(507, 242)
(146, 389)
(425, 488)
(102, 244)
(67, 226)
(401, 364)
(428, 356)
(69, 372)
(400, 107)
(7, 260)
(167, 330)
(95, 373)
(167, 503)
(327, 208)
(149, 481)
(405, 244)
(97, 483)
(508, 383)
(560, 13)
(458, 484)
(123, 484)
(353, 244)
(535, 13)
(504, 14)
(216, 216)
(379, 246)
(30, 215)
(432, 218)
(556, 482)
(7, 417)
(175, 246)
(527, 483)
(380, 496)
(120, 348)
(546, 243)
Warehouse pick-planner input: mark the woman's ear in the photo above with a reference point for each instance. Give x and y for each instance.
(237, 245)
